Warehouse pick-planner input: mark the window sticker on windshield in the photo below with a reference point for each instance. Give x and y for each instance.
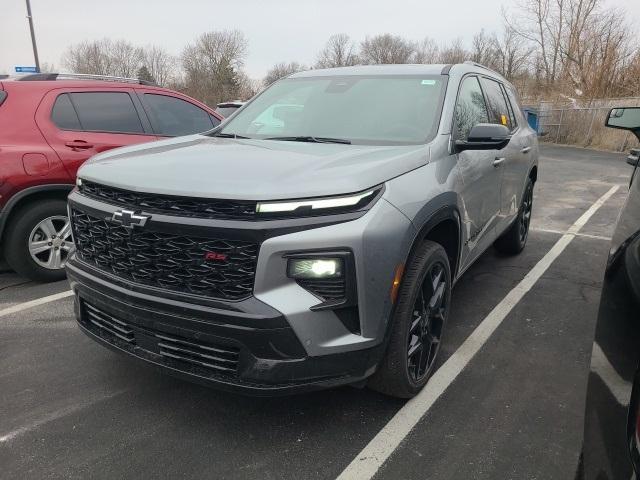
(428, 82)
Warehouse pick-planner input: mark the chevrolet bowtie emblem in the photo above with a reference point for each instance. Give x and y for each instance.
(129, 219)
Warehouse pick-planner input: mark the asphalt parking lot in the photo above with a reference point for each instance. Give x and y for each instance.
(72, 409)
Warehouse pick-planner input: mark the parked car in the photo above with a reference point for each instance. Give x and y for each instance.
(49, 125)
(612, 414)
(226, 109)
(312, 247)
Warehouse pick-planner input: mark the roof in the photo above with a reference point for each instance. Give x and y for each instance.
(398, 69)
(401, 69)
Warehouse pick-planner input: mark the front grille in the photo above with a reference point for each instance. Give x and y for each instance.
(198, 354)
(172, 262)
(176, 351)
(170, 204)
(109, 324)
(328, 289)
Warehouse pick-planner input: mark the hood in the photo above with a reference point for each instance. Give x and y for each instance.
(209, 167)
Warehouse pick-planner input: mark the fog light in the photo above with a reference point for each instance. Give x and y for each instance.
(314, 267)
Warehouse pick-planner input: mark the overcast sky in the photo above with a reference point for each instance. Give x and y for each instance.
(277, 30)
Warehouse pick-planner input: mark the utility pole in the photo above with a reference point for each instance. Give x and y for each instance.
(33, 36)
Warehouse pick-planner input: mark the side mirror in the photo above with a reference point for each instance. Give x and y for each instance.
(625, 118)
(485, 136)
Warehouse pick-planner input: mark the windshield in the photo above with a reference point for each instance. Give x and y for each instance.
(370, 110)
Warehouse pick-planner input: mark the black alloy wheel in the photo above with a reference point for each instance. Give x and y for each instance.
(425, 332)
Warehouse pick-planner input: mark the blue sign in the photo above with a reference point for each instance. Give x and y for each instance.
(26, 70)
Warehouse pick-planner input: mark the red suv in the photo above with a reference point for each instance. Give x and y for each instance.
(49, 125)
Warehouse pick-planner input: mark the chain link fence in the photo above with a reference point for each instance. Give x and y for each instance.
(584, 126)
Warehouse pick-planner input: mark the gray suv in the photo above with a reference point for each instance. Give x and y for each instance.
(311, 240)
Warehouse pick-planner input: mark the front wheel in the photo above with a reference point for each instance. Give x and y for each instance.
(418, 324)
(38, 241)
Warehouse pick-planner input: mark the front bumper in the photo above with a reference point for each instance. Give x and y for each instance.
(281, 343)
(207, 345)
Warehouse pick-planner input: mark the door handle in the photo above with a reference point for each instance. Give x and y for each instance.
(526, 150)
(78, 144)
(498, 161)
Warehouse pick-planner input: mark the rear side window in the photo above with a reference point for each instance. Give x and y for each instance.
(498, 109)
(173, 116)
(106, 112)
(512, 98)
(470, 108)
(64, 115)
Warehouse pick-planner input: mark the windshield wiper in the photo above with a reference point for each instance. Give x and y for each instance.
(229, 135)
(311, 139)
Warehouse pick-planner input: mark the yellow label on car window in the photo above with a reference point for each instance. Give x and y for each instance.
(504, 119)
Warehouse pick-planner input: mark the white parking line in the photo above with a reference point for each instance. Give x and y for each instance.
(34, 303)
(601, 366)
(63, 412)
(584, 235)
(373, 456)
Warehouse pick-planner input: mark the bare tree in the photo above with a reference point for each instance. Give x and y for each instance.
(247, 87)
(454, 52)
(338, 52)
(125, 58)
(386, 49)
(160, 64)
(511, 53)
(104, 57)
(89, 57)
(211, 65)
(579, 45)
(483, 49)
(426, 51)
(281, 70)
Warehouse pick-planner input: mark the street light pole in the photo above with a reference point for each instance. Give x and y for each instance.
(33, 36)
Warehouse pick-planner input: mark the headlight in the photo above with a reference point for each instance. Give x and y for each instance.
(78, 182)
(314, 206)
(308, 268)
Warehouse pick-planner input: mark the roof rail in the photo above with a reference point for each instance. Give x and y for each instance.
(479, 65)
(82, 76)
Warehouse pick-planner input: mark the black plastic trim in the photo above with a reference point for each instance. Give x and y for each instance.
(250, 312)
(271, 360)
(15, 199)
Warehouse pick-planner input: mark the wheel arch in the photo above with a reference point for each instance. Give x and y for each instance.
(28, 196)
(442, 227)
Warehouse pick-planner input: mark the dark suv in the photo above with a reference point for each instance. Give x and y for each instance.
(49, 125)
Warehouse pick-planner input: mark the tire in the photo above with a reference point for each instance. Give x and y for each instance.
(515, 238)
(397, 374)
(35, 225)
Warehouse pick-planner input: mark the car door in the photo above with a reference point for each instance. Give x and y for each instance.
(514, 167)
(79, 123)
(172, 116)
(480, 173)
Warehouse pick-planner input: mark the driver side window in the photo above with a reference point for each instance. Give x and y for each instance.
(470, 108)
